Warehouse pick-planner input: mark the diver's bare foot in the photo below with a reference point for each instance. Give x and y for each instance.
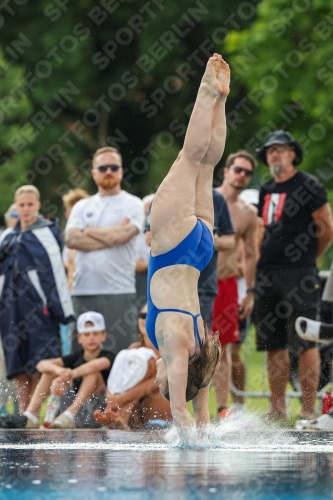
(223, 76)
(216, 78)
(111, 419)
(209, 80)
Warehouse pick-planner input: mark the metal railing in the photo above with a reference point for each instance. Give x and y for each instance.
(262, 395)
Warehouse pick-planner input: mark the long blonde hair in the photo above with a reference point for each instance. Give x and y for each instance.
(202, 370)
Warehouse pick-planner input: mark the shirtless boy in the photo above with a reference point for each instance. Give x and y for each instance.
(238, 171)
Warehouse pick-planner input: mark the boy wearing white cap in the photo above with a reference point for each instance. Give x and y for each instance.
(88, 368)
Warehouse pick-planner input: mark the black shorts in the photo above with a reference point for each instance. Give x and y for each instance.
(281, 296)
(244, 327)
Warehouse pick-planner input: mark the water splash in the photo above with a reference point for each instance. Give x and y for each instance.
(238, 431)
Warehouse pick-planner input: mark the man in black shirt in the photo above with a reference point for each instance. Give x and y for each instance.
(298, 228)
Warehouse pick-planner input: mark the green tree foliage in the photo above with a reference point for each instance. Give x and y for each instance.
(284, 63)
(110, 72)
(125, 73)
(284, 60)
(15, 106)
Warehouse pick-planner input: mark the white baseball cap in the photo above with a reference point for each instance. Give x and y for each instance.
(97, 320)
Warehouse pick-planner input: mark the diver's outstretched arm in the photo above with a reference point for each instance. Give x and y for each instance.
(200, 407)
(177, 369)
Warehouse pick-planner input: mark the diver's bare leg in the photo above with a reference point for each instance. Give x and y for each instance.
(178, 190)
(218, 128)
(204, 202)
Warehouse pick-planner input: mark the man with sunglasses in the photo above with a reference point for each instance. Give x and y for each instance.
(101, 229)
(298, 228)
(238, 171)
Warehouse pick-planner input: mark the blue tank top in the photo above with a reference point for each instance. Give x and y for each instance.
(195, 250)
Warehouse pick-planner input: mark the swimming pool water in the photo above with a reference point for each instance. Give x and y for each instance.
(103, 464)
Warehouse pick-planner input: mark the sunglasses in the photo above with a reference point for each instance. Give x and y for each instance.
(103, 168)
(239, 170)
(142, 315)
(278, 149)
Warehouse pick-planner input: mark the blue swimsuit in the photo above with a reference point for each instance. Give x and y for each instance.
(195, 250)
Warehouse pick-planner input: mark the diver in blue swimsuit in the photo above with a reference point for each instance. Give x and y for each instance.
(181, 223)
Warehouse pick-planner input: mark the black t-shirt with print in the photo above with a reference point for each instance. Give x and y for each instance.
(76, 359)
(290, 238)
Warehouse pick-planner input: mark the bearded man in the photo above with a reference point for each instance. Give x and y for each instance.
(298, 227)
(101, 229)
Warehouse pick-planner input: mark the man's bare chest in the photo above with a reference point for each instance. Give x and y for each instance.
(239, 219)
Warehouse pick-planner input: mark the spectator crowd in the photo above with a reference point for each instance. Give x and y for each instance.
(73, 310)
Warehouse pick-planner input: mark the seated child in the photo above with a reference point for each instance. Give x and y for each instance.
(132, 396)
(88, 368)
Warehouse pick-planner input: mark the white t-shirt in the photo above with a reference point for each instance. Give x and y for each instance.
(110, 271)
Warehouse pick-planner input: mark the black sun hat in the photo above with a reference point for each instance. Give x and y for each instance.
(280, 137)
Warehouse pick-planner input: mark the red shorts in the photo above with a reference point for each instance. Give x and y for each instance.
(225, 311)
